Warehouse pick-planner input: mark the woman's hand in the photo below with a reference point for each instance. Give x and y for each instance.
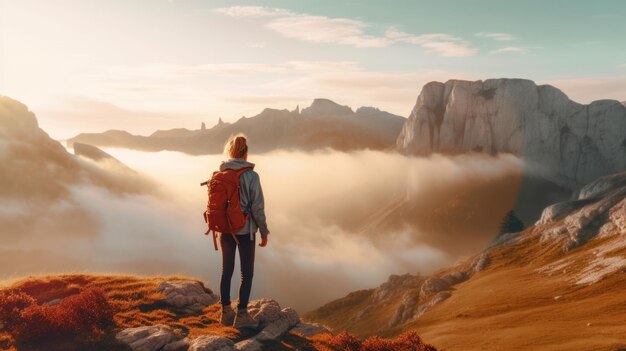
(263, 242)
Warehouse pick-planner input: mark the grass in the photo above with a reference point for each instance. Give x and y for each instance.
(115, 302)
(135, 302)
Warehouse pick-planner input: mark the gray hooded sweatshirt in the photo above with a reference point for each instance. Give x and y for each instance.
(250, 197)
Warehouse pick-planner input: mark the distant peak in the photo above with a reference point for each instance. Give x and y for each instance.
(324, 107)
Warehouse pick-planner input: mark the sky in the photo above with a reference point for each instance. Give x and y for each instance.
(94, 65)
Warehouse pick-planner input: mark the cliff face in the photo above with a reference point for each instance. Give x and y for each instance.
(569, 142)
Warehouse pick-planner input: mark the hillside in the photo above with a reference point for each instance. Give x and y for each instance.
(323, 124)
(558, 285)
(114, 312)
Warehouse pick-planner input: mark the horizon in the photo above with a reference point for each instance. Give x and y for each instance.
(143, 66)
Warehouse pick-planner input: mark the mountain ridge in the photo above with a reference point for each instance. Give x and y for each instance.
(323, 124)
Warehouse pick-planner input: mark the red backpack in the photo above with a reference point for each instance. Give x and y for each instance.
(224, 213)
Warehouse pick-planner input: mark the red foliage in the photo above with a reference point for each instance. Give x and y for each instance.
(11, 304)
(408, 341)
(75, 315)
(345, 342)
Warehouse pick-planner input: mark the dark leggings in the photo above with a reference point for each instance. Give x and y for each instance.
(246, 259)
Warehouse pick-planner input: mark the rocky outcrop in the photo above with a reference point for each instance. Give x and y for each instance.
(568, 142)
(395, 284)
(190, 296)
(187, 295)
(597, 210)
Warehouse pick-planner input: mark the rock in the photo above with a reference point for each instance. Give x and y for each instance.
(480, 263)
(273, 320)
(265, 311)
(148, 338)
(597, 210)
(309, 329)
(188, 295)
(396, 284)
(602, 185)
(423, 308)
(249, 345)
(287, 320)
(405, 310)
(435, 284)
(179, 345)
(573, 143)
(53, 302)
(212, 343)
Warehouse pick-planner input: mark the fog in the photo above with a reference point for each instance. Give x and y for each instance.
(339, 221)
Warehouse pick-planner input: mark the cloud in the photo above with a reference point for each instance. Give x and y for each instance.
(252, 11)
(496, 36)
(345, 31)
(320, 29)
(439, 43)
(507, 49)
(380, 213)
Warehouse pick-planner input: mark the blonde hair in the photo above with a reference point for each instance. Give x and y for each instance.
(236, 146)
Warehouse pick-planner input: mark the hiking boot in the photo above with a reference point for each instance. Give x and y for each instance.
(227, 317)
(243, 320)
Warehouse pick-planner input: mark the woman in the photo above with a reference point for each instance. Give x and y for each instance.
(251, 199)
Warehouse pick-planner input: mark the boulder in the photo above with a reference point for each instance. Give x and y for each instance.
(187, 295)
(212, 343)
(148, 338)
(249, 345)
(273, 320)
(180, 345)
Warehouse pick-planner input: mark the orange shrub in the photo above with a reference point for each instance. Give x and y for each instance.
(86, 312)
(11, 304)
(345, 342)
(408, 341)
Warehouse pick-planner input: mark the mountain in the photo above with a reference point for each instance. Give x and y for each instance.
(40, 179)
(323, 124)
(153, 313)
(558, 285)
(568, 142)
